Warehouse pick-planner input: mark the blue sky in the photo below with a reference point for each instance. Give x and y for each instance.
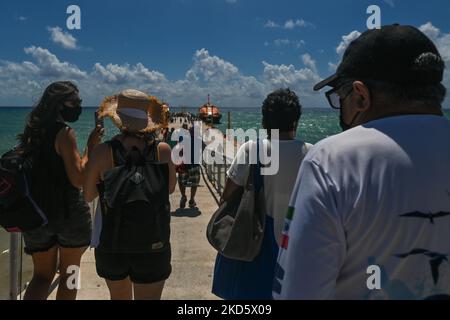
(181, 50)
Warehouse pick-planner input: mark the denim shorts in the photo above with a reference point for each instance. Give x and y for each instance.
(74, 231)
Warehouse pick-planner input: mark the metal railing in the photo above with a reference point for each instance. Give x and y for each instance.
(15, 265)
(217, 174)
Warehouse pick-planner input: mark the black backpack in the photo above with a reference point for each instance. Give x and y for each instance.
(135, 202)
(18, 211)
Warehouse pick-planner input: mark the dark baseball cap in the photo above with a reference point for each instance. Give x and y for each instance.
(395, 53)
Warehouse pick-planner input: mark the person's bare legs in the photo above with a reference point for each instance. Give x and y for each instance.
(193, 193)
(44, 270)
(67, 258)
(183, 195)
(120, 290)
(192, 203)
(182, 189)
(152, 291)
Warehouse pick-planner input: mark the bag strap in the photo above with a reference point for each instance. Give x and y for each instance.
(258, 179)
(118, 152)
(255, 179)
(151, 152)
(120, 155)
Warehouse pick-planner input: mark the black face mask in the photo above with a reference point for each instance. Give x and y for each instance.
(345, 126)
(71, 114)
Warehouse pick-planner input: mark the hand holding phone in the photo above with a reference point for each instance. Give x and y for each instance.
(97, 133)
(99, 122)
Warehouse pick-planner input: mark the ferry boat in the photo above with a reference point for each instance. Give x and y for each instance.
(209, 113)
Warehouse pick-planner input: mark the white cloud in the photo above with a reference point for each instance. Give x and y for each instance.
(123, 74)
(346, 40)
(22, 18)
(271, 24)
(287, 42)
(282, 42)
(11, 69)
(230, 1)
(332, 67)
(191, 76)
(430, 30)
(50, 66)
(309, 62)
(63, 38)
(208, 67)
(209, 74)
(442, 40)
(299, 80)
(289, 24)
(287, 75)
(299, 23)
(24, 82)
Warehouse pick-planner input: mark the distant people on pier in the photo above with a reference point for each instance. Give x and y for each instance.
(133, 175)
(235, 279)
(189, 173)
(169, 138)
(57, 176)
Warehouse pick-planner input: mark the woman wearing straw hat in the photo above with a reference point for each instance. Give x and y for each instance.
(129, 269)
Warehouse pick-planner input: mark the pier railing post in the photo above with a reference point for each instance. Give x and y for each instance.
(14, 265)
(219, 178)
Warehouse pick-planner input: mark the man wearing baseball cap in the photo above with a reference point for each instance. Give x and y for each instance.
(369, 217)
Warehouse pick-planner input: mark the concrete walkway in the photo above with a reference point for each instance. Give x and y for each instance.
(192, 256)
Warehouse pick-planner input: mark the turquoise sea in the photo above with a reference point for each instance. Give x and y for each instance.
(315, 124)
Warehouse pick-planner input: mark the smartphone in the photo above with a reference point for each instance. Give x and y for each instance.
(99, 121)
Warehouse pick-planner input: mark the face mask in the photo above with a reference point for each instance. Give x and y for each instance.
(71, 114)
(345, 126)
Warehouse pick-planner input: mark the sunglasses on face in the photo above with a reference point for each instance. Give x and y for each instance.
(335, 99)
(75, 102)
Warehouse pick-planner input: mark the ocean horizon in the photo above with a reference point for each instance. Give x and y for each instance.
(315, 124)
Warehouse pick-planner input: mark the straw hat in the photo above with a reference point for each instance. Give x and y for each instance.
(133, 111)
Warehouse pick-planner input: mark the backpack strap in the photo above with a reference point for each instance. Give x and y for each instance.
(118, 152)
(151, 152)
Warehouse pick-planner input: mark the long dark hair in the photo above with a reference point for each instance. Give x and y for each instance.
(45, 114)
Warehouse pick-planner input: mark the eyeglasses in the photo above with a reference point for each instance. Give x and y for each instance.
(334, 99)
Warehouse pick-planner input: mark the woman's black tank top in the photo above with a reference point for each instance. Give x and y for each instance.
(51, 186)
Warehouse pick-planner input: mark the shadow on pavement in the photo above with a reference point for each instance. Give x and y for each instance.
(189, 213)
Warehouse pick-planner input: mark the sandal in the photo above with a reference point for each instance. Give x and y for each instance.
(192, 204)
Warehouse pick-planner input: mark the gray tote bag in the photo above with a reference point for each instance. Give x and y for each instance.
(236, 230)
